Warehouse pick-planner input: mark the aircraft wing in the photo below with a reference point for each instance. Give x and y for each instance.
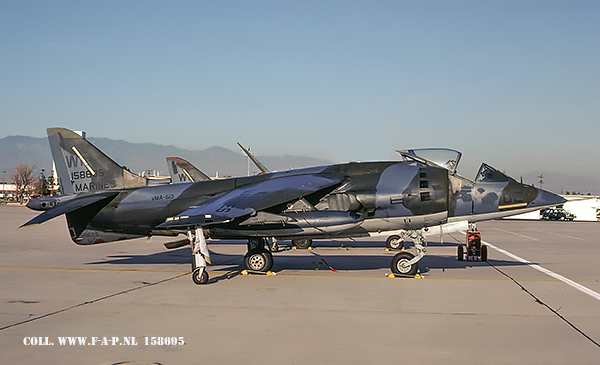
(251, 198)
(71, 205)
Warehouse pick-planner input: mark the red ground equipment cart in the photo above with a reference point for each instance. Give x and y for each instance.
(475, 250)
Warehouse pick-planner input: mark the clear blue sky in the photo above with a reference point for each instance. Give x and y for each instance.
(512, 83)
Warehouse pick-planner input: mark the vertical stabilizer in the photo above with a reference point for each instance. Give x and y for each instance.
(182, 171)
(82, 167)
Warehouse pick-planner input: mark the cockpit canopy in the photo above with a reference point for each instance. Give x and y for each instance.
(439, 157)
(487, 173)
(448, 159)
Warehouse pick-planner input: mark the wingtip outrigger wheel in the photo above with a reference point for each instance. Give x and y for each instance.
(200, 276)
(200, 255)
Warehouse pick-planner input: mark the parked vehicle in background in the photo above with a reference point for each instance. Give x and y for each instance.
(557, 214)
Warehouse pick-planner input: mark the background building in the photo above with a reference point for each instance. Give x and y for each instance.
(8, 192)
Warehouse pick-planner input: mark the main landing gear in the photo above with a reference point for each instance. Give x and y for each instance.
(259, 257)
(406, 263)
(302, 243)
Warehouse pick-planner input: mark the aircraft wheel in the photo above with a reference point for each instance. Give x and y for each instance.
(302, 243)
(258, 260)
(400, 267)
(461, 253)
(200, 279)
(394, 242)
(483, 253)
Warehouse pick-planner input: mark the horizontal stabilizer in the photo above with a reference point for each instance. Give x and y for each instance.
(69, 206)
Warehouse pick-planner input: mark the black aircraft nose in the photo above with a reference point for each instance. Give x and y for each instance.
(547, 199)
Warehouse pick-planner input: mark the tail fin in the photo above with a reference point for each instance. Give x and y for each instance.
(82, 167)
(182, 171)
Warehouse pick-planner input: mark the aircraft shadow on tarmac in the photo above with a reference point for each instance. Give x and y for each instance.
(302, 260)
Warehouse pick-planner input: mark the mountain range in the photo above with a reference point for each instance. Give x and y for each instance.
(219, 161)
(139, 157)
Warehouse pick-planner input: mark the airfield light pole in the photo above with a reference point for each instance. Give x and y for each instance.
(541, 180)
(42, 183)
(249, 152)
(3, 183)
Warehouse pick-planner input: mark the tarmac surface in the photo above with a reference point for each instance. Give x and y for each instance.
(134, 301)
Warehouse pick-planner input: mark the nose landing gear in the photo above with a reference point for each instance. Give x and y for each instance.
(406, 263)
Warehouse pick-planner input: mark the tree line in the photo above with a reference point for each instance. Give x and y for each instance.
(27, 183)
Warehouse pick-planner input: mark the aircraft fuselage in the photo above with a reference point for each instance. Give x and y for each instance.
(370, 197)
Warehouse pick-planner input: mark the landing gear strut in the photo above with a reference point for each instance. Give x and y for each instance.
(200, 255)
(405, 263)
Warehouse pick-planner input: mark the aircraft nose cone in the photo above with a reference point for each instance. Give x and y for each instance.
(34, 204)
(547, 199)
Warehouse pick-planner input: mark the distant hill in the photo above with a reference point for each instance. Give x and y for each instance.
(139, 157)
(147, 156)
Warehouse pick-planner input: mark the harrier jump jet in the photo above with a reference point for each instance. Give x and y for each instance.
(342, 200)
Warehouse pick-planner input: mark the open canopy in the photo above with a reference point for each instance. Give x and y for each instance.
(440, 157)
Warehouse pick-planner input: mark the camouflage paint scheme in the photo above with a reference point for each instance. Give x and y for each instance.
(346, 200)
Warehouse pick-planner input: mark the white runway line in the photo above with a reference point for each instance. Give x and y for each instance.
(516, 234)
(564, 235)
(569, 282)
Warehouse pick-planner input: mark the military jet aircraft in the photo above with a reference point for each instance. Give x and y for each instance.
(341, 200)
